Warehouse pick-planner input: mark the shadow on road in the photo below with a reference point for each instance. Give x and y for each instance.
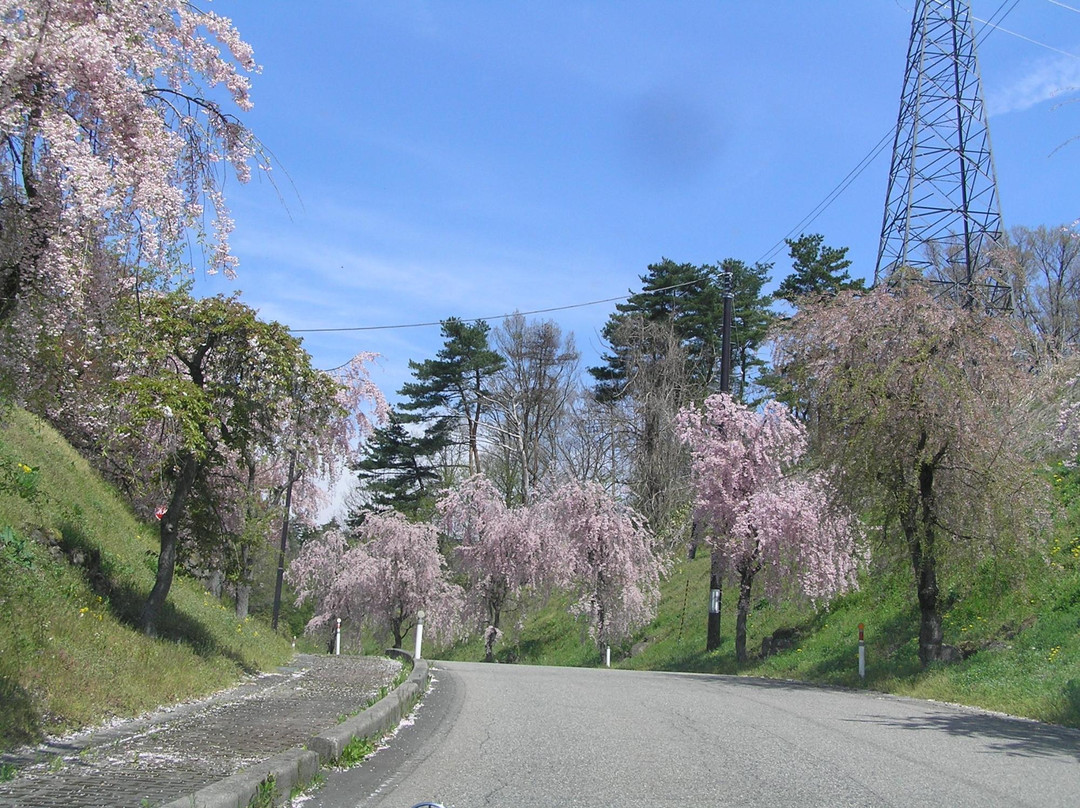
(1002, 734)
(1012, 736)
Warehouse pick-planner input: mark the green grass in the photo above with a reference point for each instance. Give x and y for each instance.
(69, 652)
(356, 751)
(1015, 617)
(69, 655)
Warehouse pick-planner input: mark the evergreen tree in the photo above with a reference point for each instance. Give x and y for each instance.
(455, 382)
(752, 318)
(691, 299)
(687, 296)
(819, 270)
(399, 469)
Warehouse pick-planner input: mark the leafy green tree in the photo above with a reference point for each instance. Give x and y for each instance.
(691, 299)
(456, 381)
(751, 320)
(210, 385)
(819, 270)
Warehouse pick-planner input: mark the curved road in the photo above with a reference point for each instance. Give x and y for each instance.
(508, 735)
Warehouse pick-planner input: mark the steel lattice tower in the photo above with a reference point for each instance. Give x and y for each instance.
(942, 216)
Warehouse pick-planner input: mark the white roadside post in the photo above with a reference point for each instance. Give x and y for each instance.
(337, 638)
(862, 653)
(419, 633)
(609, 656)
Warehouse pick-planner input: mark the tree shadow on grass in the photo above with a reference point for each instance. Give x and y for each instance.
(125, 601)
(889, 652)
(19, 722)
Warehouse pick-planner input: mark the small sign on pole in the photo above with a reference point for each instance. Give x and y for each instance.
(862, 653)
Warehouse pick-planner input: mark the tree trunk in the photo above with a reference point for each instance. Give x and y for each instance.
(695, 540)
(215, 582)
(921, 538)
(491, 634)
(243, 583)
(716, 572)
(747, 570)
(170, 531)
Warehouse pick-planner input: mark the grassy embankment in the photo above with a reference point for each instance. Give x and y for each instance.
(1016, 619)
(75, 566)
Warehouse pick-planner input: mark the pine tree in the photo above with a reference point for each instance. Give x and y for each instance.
(455, 382)
(819, 270)
(691, 299)
(687, 296)
(399, 469)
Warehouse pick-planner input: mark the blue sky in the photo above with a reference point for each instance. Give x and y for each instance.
(473, 158)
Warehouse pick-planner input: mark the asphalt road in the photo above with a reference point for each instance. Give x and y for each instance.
(508, 735)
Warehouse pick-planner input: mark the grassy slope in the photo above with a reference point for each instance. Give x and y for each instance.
(1016, 619)
(69, 655)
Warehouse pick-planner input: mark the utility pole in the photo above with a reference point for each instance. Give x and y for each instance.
(725, 333)
(716, 562)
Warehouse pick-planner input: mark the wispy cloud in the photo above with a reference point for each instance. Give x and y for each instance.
(1051, 79)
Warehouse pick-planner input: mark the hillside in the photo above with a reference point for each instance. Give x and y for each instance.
(1016, 621)
(75, 566)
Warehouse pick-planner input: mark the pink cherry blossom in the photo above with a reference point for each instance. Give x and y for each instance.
(761, 514)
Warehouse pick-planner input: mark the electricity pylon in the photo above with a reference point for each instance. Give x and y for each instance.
(942, 217)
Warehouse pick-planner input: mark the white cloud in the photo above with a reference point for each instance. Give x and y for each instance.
(1055, 79)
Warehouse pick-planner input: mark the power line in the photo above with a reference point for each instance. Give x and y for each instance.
(486, 319)
(832, 196)
(1029, 39)
(872, 155)
(807, 220)
(1070, 8)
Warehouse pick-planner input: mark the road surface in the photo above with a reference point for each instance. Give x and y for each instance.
(509, 735)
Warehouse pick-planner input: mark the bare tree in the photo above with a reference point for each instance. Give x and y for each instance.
(529, 400)
(657, 385)
(1044, 269)
(589, 446)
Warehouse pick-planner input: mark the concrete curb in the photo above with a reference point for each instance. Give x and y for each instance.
(295, 768)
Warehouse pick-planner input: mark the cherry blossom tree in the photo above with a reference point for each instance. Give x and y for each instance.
(393, 571)
(758, 513)
(611, 566)
(504, 552)
(325, 443)
(116, 131)
(926, 412)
